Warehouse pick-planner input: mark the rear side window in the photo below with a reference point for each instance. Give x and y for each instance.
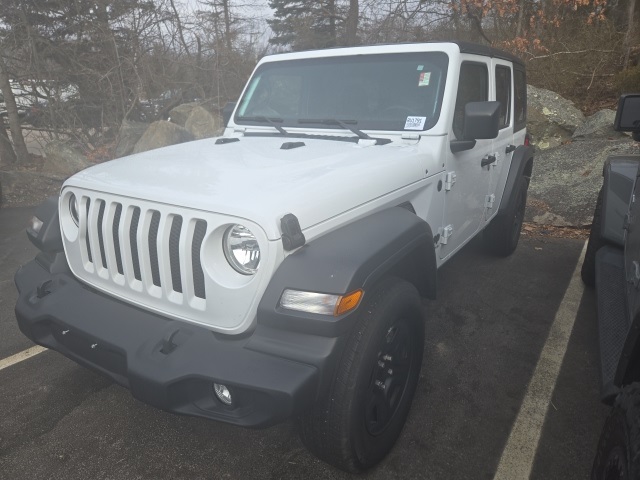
(503, 94)
(520, 99)
(472, 87)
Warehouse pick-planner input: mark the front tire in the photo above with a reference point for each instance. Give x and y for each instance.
(502, 235)
(356, 423)
(618, 455)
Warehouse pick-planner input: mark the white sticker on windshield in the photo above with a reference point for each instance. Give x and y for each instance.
(415, 123)
(425, 77)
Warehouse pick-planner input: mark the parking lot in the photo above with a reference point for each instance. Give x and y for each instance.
(507, 341)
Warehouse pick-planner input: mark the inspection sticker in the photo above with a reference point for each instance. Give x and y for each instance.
(415, 123)
(424, 79)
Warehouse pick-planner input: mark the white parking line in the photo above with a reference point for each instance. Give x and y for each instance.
(520, 451)
(19, 357)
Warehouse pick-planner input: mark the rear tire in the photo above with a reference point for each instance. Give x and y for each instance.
(618, 455)
(501, 236)
(596, 241)
(357, 422)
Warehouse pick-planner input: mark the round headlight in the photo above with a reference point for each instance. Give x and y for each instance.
(241, 249)
(73, 209)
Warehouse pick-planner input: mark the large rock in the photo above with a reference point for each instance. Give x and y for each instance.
(28, 189)
(552, 119)
(162, 134)
(203, 124)
(129, 134)
(180, 114)
(62, 159)
(566, 180)
(600, 124)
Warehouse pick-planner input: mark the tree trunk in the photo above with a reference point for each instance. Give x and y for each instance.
(19, 146)
(628, 38)
(227, 25)
(520, 18)
(351, 25)
(7, 155)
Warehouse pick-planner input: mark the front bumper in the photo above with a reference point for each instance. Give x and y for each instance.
(172, 365)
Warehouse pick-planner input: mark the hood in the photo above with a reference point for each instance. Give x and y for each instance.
(255, 179)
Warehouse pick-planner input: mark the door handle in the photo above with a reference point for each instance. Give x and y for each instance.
(487, 160)
(509, 149)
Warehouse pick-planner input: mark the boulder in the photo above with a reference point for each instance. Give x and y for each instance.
(203, 124)
(61, 158)
(162, 134)
(179, 114)
(128, 135)
(27, 188)
(566, 180)
(552, 119)
(600, 124)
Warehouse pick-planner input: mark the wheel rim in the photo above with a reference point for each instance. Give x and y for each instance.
(390, 378)
(615, 468)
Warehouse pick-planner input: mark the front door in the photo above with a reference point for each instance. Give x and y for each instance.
(467, 184)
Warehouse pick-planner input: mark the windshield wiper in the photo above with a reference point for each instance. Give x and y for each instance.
(270, 120)
(346, 124)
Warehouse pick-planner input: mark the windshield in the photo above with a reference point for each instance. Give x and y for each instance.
(400, 91)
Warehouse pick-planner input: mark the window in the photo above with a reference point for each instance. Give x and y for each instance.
(472, 87)
(503, 93)
(520, 100)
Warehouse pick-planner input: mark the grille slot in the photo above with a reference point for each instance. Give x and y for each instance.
(116, 237)
(153, 247)
(86, 236)
(174, 253)
(133, 233)
(199, 232)
(103, 254)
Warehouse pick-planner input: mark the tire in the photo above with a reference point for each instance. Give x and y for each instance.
(501, 236)
(596, 241)
(358, 420)
(618, 455)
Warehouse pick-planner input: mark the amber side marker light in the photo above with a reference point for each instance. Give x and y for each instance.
(348, 302)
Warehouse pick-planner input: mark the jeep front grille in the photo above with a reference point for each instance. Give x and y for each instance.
(130, 244)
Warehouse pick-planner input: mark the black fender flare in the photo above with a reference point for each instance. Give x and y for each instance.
(389, 242)
(521, 164)
(620, 173)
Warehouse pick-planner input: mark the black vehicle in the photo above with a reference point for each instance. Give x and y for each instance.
(612, 265)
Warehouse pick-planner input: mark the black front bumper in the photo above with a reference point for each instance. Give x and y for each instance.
(272, 374)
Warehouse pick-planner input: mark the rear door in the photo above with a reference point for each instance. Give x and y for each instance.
(503, 147)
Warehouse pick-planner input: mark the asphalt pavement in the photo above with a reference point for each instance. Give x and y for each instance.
(484, 336)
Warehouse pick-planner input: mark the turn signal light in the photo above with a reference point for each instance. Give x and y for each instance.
(348, 302)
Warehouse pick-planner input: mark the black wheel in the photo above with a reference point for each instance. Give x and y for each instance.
(357, 422)
(618, 455)
(596, 241)
(501, 236)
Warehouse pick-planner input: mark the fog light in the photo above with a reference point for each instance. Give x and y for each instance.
(35, 225)
(223, 393)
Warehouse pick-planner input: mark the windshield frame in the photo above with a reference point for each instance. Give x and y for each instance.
(436, 58)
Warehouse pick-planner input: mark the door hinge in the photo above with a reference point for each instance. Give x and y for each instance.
(445, 233)
(489, 201)
(449, 180)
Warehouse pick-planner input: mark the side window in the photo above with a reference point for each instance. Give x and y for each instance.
(472, 87)
(520, 103)
(503, 94)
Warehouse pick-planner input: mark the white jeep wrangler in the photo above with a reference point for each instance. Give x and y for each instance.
(277, 271)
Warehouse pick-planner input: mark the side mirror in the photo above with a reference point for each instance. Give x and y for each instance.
(227, 111)
(481, 121)
(628, 113)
